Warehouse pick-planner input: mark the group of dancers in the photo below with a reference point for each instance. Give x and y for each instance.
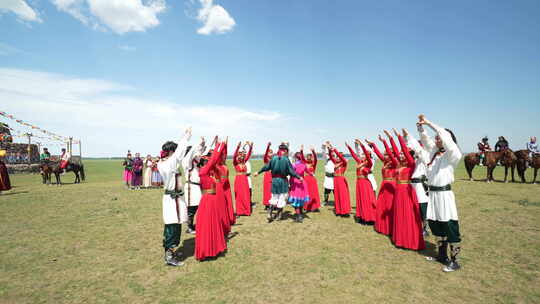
(416, 187)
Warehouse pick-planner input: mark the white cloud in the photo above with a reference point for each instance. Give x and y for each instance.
(215, 19)
(120, 16)
(109, 118)
(20, 8)
(127, 48)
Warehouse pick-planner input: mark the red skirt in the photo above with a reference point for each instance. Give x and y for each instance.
(407, 228)
(341, 196)
(223, 209)
(210, 238)
(314, 202)
(5, 184)
(267, 188)
(228, 197)
(384, 209)
(241, 195)
(365, 200)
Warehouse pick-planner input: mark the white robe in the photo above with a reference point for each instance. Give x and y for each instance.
(174, 211)
(192, 193)
(422, 158)
(442, 204)
(328, 168)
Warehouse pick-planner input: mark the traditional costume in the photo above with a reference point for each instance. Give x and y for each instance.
(280, 167)
(241, 183)
(192, 185)
(419, 179)
(267, 179)
(298, 193)
(365, 197)
(328, 184)
(156, 177)
(147, 177)
(210, 237)
(314, 202)
(174, 206)
(370, 176)
(225, 184)
(442, 211)
(407, 223)
(385, 199)
(5, 183)
(128, 170)
(136, 178)
(64, 159)
(341, 187)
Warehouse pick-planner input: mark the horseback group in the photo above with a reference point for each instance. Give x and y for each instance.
(50, 166)
(504, 156)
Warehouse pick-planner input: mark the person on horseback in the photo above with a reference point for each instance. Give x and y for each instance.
(533, 149)
(483, 146)
(64, 160)
(501, 145)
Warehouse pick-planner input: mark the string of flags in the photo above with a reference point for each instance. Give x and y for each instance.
(47, 134)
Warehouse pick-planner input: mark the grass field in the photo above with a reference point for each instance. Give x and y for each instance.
(99, 243)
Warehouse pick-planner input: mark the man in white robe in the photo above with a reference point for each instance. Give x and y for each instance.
(329, 167)
(174, 205)
(192, 185)
(442, 211)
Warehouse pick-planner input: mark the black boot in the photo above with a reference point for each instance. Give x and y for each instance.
(442, 256)
(269, 217)
(425, 231)
(278, 214)
(453, 265)
(171, 258)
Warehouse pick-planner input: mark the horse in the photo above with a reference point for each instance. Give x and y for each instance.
(50, 167)
(506, 157)
(521, 163)
(535, 163)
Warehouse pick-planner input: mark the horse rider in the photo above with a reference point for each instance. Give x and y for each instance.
(44, 158)
(64, 160)
(501, 145)
(533, 149)
(483, 146)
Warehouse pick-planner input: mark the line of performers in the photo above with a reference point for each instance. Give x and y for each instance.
(416, 188)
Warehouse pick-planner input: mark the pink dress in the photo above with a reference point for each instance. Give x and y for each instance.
(298, 192)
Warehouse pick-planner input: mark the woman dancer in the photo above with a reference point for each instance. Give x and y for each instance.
(136, 178)
(314, 202)
(365, 198)
(407, 228)
(210, 237)
(385, 199)
(341, 187)
(147, 177)
(128, 167)
(298, 192)
(267, 179)
(156, 177)
(241, 184)
(226, 185)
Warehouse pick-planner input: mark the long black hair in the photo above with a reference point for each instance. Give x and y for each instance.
(169, 146)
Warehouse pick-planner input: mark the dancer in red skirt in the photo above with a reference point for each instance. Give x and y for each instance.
(314, 202)
(210, 237)
(241, 185)
(365, 198)
(341, 187)
(387, 189)
(225, 184)
(267, 179)
(407, 229)
(223, 205)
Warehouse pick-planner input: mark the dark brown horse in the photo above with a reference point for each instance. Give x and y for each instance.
(535, 164)
(506, 157)
(521, 163)
(53, 167)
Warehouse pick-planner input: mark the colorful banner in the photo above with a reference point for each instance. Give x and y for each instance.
(51, 135)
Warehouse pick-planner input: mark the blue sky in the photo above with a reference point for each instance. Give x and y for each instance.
(130, 74)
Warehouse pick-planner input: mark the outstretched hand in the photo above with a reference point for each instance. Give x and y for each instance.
(405, 132)
(381, 138)
(395, 131)
(387, 133)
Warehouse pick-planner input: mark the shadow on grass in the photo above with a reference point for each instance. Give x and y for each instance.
(430, 251)
(13, 193)
(188, 248)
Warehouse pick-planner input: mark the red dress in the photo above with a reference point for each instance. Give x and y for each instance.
(267, 179)
(226, 186)
(313, 189)
(385, 199)
(407, 229)
(242, 196)
(365, 198)
(341, 187)
(210, 237)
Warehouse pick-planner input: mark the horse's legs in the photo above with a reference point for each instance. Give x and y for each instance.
(489, 170)
(505, 174)
(513, 167)
(469, 168)
(77, 178)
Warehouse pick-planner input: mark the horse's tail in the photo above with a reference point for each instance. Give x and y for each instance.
(82, 172)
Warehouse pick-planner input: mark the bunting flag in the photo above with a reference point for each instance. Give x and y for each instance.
(51, 135)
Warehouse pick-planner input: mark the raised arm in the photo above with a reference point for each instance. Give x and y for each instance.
(393, 159)
(341, 157)
(376, 151)
(235, 155)
(452, 150)
(367, 154)
(419, 151)
(314, 159)
(406, 153)
(266, 157)
(249, 152)
(330, 156)
(181, 148)
(429, 144)
(353, 154)
(224, 152)
(302, 158)
(394, 146)
(216, 155)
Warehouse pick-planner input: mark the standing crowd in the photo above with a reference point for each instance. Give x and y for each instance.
(141, 173)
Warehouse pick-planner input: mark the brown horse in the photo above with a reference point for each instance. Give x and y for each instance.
(535, 163)
(53, 167)
(506, 157)
(521, 163)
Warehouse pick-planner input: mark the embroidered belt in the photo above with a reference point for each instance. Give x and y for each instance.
(439, 189)
(278, 176)
(209, 191)
(403, 182)
(174, 193)
(361, 176)
(241, 173)
(329, 174)
(193, 183)
(416, 180)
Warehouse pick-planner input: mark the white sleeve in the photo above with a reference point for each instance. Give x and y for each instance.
(427, 141)
(452, 150)
(178, 155)
(422, 154)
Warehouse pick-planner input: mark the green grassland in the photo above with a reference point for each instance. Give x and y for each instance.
(99, 243)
